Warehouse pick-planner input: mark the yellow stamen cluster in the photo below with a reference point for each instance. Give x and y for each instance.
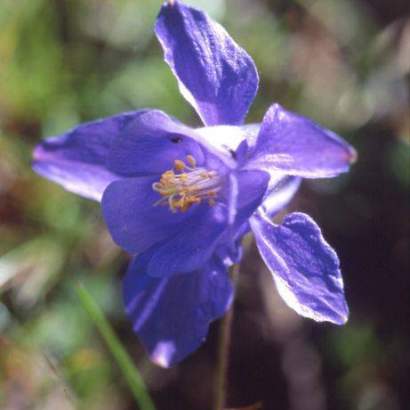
(186, 185)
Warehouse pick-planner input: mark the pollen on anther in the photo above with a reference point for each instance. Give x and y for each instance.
(186, 185)
(179, 165)
(191, 161)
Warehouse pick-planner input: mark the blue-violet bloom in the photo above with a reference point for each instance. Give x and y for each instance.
(179, 199)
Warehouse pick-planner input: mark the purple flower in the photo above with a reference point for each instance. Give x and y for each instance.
(180, 199)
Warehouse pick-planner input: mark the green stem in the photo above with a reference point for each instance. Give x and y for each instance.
(124, 361)
(223, 349)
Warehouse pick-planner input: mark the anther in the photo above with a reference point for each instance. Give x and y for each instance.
(186, 185)
(191, 161)
(179, 165)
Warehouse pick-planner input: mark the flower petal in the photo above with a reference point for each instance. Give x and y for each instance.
(295, 145)
(150, 142)
(86, 159)
(228, 138)
(280, 194)
(209, 227)
(177, 241)
(252, 187)
(77, 159)
(134, 222)
(193, 244)
(305, 268)
(172, 315)
(215, 75)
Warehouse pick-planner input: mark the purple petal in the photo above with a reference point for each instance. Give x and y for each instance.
(228, 138)
(209, 227)
(280, 194)
(193, 244)
(215, 75)
(86, 159)
(305, 268)
(252, 187)
(172, 315)
(134, 222)
(150, 142)
(295, 145)
(77, 159)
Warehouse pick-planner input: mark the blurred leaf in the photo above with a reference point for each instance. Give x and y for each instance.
(357, 344)
(31, 380)
(31, 56)
(31, 269)
(399, 163)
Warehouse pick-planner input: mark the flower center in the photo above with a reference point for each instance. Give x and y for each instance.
(186, 185)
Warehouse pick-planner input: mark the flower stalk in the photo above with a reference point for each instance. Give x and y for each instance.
(224, 344)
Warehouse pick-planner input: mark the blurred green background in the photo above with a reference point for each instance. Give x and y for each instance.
(344, 63)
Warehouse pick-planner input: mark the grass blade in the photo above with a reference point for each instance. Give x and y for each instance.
(124, 361)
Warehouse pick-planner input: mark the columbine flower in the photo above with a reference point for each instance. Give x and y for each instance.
(180, 199)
